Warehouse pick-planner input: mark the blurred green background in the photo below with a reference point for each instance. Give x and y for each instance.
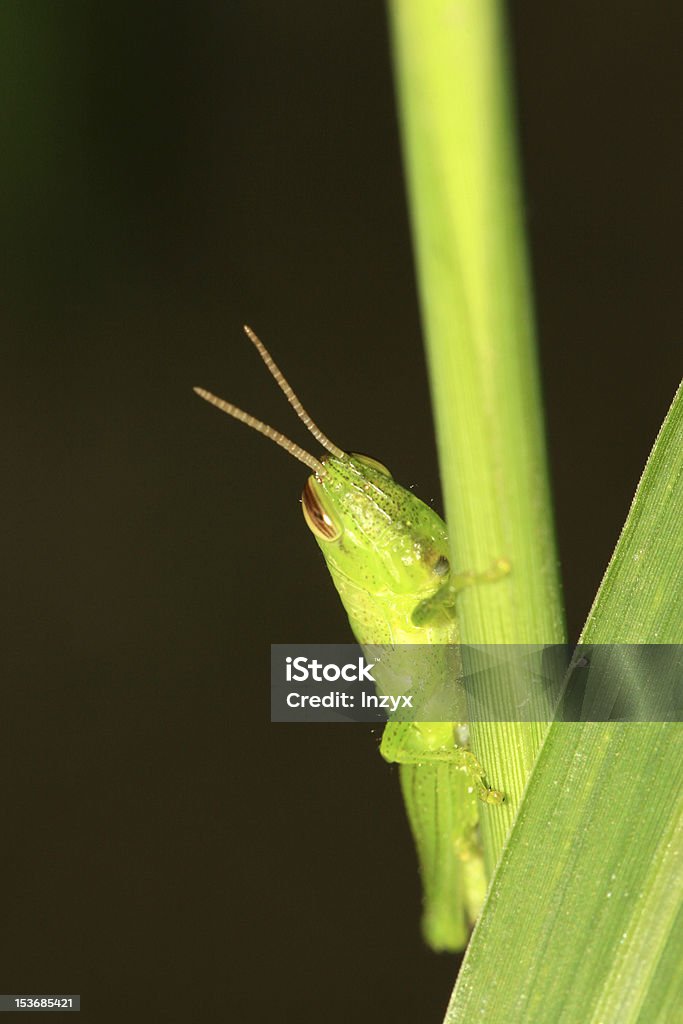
(168, 172)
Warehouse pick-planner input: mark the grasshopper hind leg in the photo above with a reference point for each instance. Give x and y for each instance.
(429, 743)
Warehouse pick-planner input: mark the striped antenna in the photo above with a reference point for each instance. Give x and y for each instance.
(291, 397)
(263, 428)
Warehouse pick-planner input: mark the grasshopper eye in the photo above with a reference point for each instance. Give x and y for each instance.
(320, 522)
(373, 463)
(441, 566)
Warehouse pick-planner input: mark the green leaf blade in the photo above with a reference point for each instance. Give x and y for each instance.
(589, 889)
(641, 596)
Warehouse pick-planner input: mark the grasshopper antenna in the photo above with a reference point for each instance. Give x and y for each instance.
(291, 397)
(263, 428)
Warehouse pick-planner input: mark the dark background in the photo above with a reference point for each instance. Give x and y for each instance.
(169, 171)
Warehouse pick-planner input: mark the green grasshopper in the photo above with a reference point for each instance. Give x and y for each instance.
(388, 555)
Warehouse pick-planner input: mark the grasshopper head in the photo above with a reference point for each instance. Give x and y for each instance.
(377, 537)
(374, 533)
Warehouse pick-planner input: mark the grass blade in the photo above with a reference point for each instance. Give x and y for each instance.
(590, 885)
(472, 270)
